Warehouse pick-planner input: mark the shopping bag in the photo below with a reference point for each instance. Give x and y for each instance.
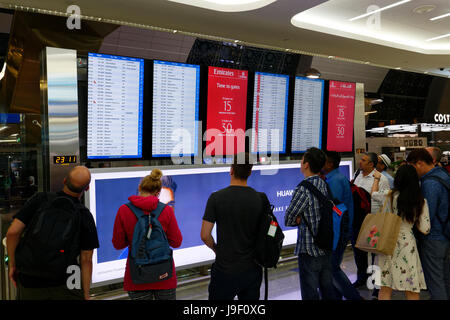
(379, 232)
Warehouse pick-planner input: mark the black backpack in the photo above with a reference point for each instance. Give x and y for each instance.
(269, 240)
(325, 235)
(446, 223)
(51, 242)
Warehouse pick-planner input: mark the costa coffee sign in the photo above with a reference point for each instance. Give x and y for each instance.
(442, 118)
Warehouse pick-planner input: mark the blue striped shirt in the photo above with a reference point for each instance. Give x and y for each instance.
(304, 202)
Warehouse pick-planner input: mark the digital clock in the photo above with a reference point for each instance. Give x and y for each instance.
(64, 159)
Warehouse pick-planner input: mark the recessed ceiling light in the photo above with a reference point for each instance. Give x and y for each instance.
(398, 68)
(175, 31)
(440, 17)
(367, 62)
(236, 41)
(331, 57)
(379, 10)
(424, 9)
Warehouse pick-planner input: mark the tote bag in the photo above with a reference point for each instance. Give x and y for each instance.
(379, 232)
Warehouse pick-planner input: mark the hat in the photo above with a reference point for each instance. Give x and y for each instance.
(386, 160)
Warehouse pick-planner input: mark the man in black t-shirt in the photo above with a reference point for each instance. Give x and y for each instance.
(236, 210)
(32, 288)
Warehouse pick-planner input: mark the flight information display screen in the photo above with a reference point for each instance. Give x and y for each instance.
(341, 112)
(308, 110)
(226, 111)
(115, 106)
(176, 91)
(270, 105)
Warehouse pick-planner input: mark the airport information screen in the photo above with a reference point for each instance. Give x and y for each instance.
(226, 111)
(270, 105)
(341, 112)
(115, 106)
(176, 90)
(307, 119)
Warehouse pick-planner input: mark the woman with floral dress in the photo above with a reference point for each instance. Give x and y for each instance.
(403, 271)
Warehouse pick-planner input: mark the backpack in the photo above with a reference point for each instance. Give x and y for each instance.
(324, 238)
(340, 219)
(51, 242)
(150, 258)
(446, 224)
(269, 240)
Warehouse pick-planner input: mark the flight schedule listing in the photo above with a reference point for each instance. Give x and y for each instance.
(115, 106)
(176, 89)
(270, 103)
(307, 119)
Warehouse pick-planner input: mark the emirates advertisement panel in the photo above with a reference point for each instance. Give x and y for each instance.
(226, 111)
(341, 111)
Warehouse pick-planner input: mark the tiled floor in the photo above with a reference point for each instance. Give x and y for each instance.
(283, 283)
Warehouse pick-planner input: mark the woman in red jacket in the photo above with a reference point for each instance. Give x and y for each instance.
(147, 200)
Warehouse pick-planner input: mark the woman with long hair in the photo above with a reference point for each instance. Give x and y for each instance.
(403, 270)
(147, 201)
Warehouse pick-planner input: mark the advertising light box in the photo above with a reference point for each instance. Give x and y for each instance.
(188, 190)
(226, 111)
(341, 111)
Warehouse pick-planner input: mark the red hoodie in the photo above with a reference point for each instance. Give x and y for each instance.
(123, 237)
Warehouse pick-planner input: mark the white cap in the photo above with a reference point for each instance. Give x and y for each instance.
(386, 160)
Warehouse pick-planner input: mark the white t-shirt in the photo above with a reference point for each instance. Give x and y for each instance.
(366, 182)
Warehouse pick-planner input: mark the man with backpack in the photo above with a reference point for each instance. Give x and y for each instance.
(341, 193)
(236, 210)
(57, 230)
(304, 211)
(434, 248)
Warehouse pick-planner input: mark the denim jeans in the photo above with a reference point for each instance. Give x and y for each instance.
(435, 259)
(315, 274)
(342, 285)
(245, 285)
(163, 294)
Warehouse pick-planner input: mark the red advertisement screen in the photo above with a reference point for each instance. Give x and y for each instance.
(225, 120)
(341, 111)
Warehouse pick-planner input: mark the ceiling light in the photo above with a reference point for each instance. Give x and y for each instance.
(227, 5)
(4, 128)
(398, 68)
(440, 37)
(331, 57)
(175, 31)
(379, 10)
(2, 73)
(367, 62)
(375, 101)
(440, 17)
(424, 9)
(313, 73)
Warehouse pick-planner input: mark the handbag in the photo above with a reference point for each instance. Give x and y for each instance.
(379, 232)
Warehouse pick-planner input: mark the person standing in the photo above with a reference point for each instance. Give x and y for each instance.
(434, 248)
(124, 225)
(383, 164)
(364, 179)
(403, 270)
(315, 267)
(53, 287)
(340, 189)
(236, 211)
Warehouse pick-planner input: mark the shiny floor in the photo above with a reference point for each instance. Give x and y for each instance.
(284, 283)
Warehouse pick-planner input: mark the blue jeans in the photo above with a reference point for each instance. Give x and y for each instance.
(245, 285)
(316, 274)
(435, 259)
(342, 284)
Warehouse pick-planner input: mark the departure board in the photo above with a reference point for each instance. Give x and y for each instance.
(115, 106)
(176, 90)
(341, 112)
(307, 118)
(226, 111)
(270, 103)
